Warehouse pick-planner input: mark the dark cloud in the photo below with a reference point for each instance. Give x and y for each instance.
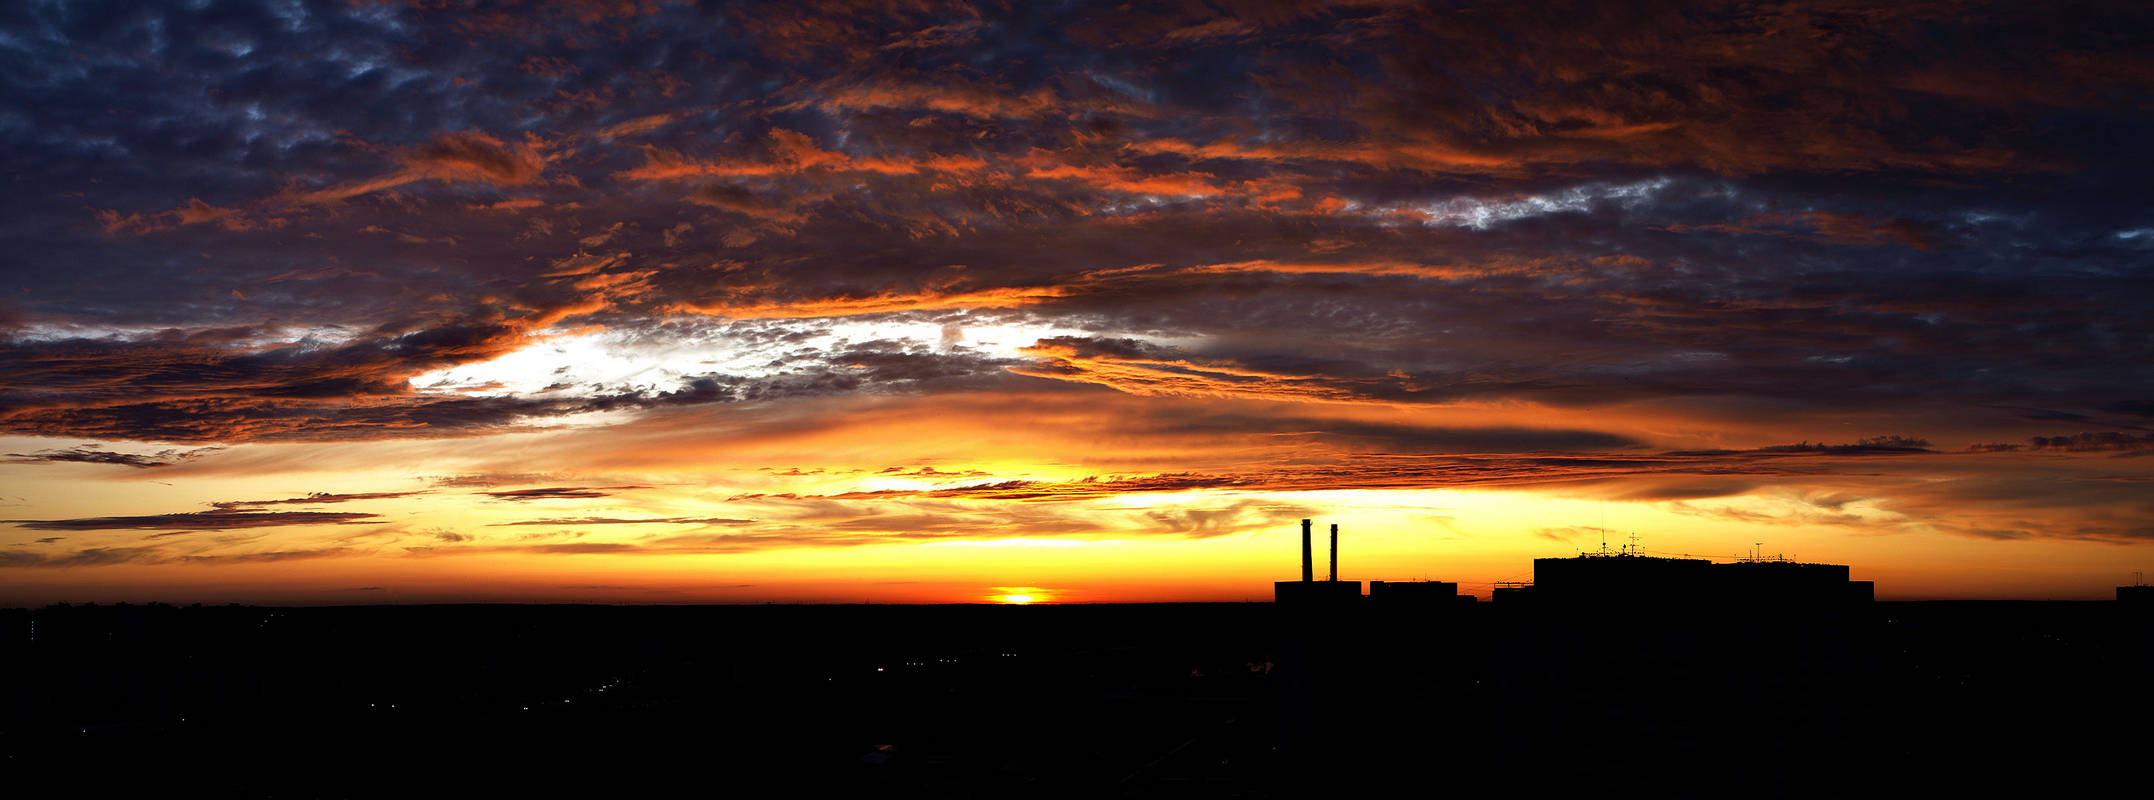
(2086, 442)
(1882, 445)
(314, 498)
(221, 519)
(2097, 442)
(484, 481)
(921, 472)
(87, 454)
(106, 556)
(559, 492)
(2137, 408)
(574, 521)
(1365, 435)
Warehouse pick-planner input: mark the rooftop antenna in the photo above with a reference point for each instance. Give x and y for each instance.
(1633, 542)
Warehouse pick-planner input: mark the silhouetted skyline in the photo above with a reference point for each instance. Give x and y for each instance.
(1234, 699)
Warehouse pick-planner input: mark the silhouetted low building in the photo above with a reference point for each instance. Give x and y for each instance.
(1511, 594)
(1418, 595)
(1787, 583)
(1862, 591)
(1625, 578)
(2141, 596)
(1620, 578)
(1316, 593)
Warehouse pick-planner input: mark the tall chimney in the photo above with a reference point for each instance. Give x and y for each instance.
(1334, 552)
(1308, 561)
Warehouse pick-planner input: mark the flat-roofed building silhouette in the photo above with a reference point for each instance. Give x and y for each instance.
(1788, 583)
(1417, 595)
(1619, 578)
(1629, 579)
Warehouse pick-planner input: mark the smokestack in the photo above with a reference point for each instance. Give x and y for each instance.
(1308, 561)
(1334, 552)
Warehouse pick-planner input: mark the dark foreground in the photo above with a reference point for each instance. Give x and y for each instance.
(1065, 701)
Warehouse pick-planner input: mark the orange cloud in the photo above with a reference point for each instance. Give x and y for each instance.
(192, 212)
(1408, 155)
(467, 157)
(1181, 377)
(790, 152)
(644, 124)
(950, 98)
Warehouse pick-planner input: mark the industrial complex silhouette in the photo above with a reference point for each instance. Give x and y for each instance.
(1616, 669)
(1624, 576)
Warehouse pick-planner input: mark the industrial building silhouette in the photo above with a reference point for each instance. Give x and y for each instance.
(2137, 596)
(1635, 653)
(1623, 577)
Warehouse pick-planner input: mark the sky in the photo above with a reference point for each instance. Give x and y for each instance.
(652, 302)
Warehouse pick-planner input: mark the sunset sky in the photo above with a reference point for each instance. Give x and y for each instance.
(639, 301)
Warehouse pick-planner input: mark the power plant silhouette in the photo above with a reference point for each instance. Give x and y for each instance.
(1624, 577)
(1629, 650)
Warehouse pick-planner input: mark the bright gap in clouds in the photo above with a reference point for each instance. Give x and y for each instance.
(266, 337)
(1480, 213)
(661, 358)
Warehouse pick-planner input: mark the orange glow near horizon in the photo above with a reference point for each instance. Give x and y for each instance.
(670, 541)
(1020, 595)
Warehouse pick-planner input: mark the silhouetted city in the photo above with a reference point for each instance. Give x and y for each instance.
(1612, 670)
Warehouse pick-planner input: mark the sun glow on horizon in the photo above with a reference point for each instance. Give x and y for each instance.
(1019, 595)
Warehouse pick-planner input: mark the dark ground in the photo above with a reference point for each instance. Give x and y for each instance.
(1063, 701)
